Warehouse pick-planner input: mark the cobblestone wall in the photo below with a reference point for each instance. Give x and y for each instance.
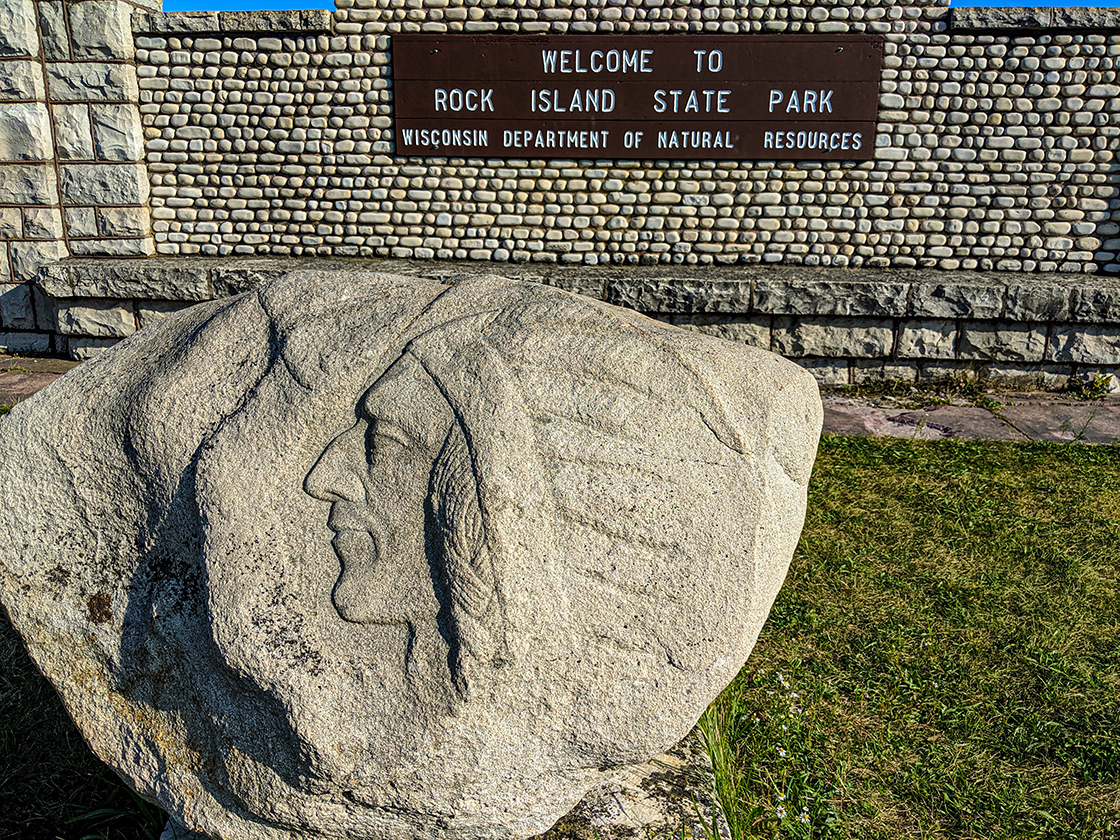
(262, 138)
(995, 150)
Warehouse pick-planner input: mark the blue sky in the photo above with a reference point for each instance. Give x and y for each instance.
(1025, 3)
(235, 5)
(242, 5)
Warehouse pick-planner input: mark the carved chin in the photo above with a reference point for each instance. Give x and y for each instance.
(352, 596)
(372, 589)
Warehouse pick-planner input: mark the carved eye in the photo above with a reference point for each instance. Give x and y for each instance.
(381, 430)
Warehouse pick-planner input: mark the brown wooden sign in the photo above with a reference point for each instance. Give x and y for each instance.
(713, 97)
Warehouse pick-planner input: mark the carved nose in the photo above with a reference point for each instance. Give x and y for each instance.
(337, 475)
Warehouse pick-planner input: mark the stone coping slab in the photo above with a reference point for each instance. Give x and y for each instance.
(170, 23)
(742, 289)
(1033, 18)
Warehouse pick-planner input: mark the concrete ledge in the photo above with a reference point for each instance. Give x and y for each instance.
(304, 20)
(844, 325)
(1034, 18)
(124, 279)
(739, 290)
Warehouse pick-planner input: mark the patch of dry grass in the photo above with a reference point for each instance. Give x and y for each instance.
(51, 785)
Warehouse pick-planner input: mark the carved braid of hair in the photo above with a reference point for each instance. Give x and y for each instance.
(464, 561)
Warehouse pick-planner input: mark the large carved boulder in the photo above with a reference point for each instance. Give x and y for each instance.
(368, 556)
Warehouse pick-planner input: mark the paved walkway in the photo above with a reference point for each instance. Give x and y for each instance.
(1035, 416)
(21, 377)
(922, 414)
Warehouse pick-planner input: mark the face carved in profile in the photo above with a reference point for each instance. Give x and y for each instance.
(377, 476)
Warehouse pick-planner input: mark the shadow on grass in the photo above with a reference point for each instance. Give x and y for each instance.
(51, 786)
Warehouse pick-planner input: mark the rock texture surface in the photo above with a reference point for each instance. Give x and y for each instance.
(371, 556)
(666, 798)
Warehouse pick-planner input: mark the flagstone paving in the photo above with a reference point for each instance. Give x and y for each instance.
(1003, 415)
(1036, 416)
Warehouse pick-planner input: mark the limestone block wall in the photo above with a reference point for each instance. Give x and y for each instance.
(73, 181)
(995, 150)
(93, 101)
(30, 203)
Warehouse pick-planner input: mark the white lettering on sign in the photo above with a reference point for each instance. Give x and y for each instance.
(457, 99)
(632, 139)
(436, 137)
(612, 61)
(809, 101)
(580, 100)
(535, 139)
(692, 102)
(694, 140)
(819, 140)
(714, 62)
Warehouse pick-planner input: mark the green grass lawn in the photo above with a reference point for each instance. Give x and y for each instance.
(944, 658)
(943, 661)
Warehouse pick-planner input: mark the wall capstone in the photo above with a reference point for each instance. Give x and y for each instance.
(846, 326)
(1036, 19)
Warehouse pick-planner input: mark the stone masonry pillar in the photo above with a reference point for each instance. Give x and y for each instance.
(72, 176)
(93, 96)
(30, 202)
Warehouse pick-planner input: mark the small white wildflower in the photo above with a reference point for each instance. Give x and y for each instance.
(781, 752)
(781, 797)
(785, 728)
(804, 818)
(781, 812)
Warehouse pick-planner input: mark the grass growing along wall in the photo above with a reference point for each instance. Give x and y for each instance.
(943, 661)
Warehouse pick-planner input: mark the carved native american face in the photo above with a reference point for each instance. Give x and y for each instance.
(377, 476)
(481, 472)
(407, 522)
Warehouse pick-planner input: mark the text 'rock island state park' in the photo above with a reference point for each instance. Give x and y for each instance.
(638, 97)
